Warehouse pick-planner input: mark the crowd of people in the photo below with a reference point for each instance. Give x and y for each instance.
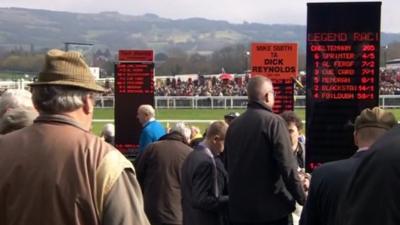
(201, 87)
(247, 169)
(389, 85)
(389, 82)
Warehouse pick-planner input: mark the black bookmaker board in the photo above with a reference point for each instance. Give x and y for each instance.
(343, 42)
(134, 86)
(284, 95)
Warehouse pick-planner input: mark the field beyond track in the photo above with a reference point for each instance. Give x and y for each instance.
(185, 114)
(206, 115)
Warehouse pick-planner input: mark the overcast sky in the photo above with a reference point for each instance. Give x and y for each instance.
(235, 11)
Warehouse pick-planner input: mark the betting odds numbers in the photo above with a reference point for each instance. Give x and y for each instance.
(343, 43)
(278, 62)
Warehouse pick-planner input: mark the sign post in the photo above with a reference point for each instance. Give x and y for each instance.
(278, 62)
(342, 75)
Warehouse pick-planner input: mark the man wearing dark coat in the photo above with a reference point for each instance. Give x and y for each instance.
(204, 181)
(159, 174)
(329, 181)
(371, 196)
(263, 180)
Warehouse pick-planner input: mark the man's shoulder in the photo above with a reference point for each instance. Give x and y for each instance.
(192, 160)
(255, 114)
(333, 169)
(198, 155)
(263, 113)
(172, 146)
(156, 123)
(153, 125)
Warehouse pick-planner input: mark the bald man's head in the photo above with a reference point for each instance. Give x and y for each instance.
(257, 89)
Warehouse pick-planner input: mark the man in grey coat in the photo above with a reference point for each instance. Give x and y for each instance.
(159, 174)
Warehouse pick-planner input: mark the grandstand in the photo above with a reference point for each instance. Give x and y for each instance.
(193, 91)
(393, 64)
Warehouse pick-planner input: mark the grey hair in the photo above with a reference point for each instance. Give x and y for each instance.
(108, 130)
(181, 128)
(15, 98)
(148, 110)
(55, 99)
(108, 133)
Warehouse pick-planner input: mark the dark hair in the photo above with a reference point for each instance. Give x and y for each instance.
(291, 117)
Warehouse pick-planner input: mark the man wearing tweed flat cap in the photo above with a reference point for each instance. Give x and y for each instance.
(328, 182)
(372, 195)
(56, 171)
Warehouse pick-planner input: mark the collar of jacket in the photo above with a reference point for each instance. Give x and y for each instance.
(148, 122)
(258, 105)
(175, 136)
(202, 147)
(57, 118)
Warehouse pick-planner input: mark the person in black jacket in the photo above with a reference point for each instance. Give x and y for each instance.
(329, 180)
(263, 180)
(204, 181)
(371, 196)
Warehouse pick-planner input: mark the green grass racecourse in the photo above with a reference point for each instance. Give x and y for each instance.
(174, 114)
(187, 114)
(168, 114)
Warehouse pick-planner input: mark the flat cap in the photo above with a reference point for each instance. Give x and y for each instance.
(375, 117)
(232, 115)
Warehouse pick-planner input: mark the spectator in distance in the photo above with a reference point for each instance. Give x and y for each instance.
(108, 133)
(230, 117)
(152, 129)
(16, 110)
(195, 137)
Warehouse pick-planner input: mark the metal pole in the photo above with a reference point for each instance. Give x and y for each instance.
(385, 55)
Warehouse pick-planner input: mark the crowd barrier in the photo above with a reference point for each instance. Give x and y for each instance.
(225, 102)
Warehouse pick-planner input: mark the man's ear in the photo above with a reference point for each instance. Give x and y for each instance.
(355, 138)
(266, 97)
(88, 106)
(216, 138)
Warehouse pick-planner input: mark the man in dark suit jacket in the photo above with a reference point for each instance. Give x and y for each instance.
(329, 181)
(371, 196)
(263, 180)
(204, 180)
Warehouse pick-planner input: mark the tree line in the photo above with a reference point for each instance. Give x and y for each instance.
(233, 58)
